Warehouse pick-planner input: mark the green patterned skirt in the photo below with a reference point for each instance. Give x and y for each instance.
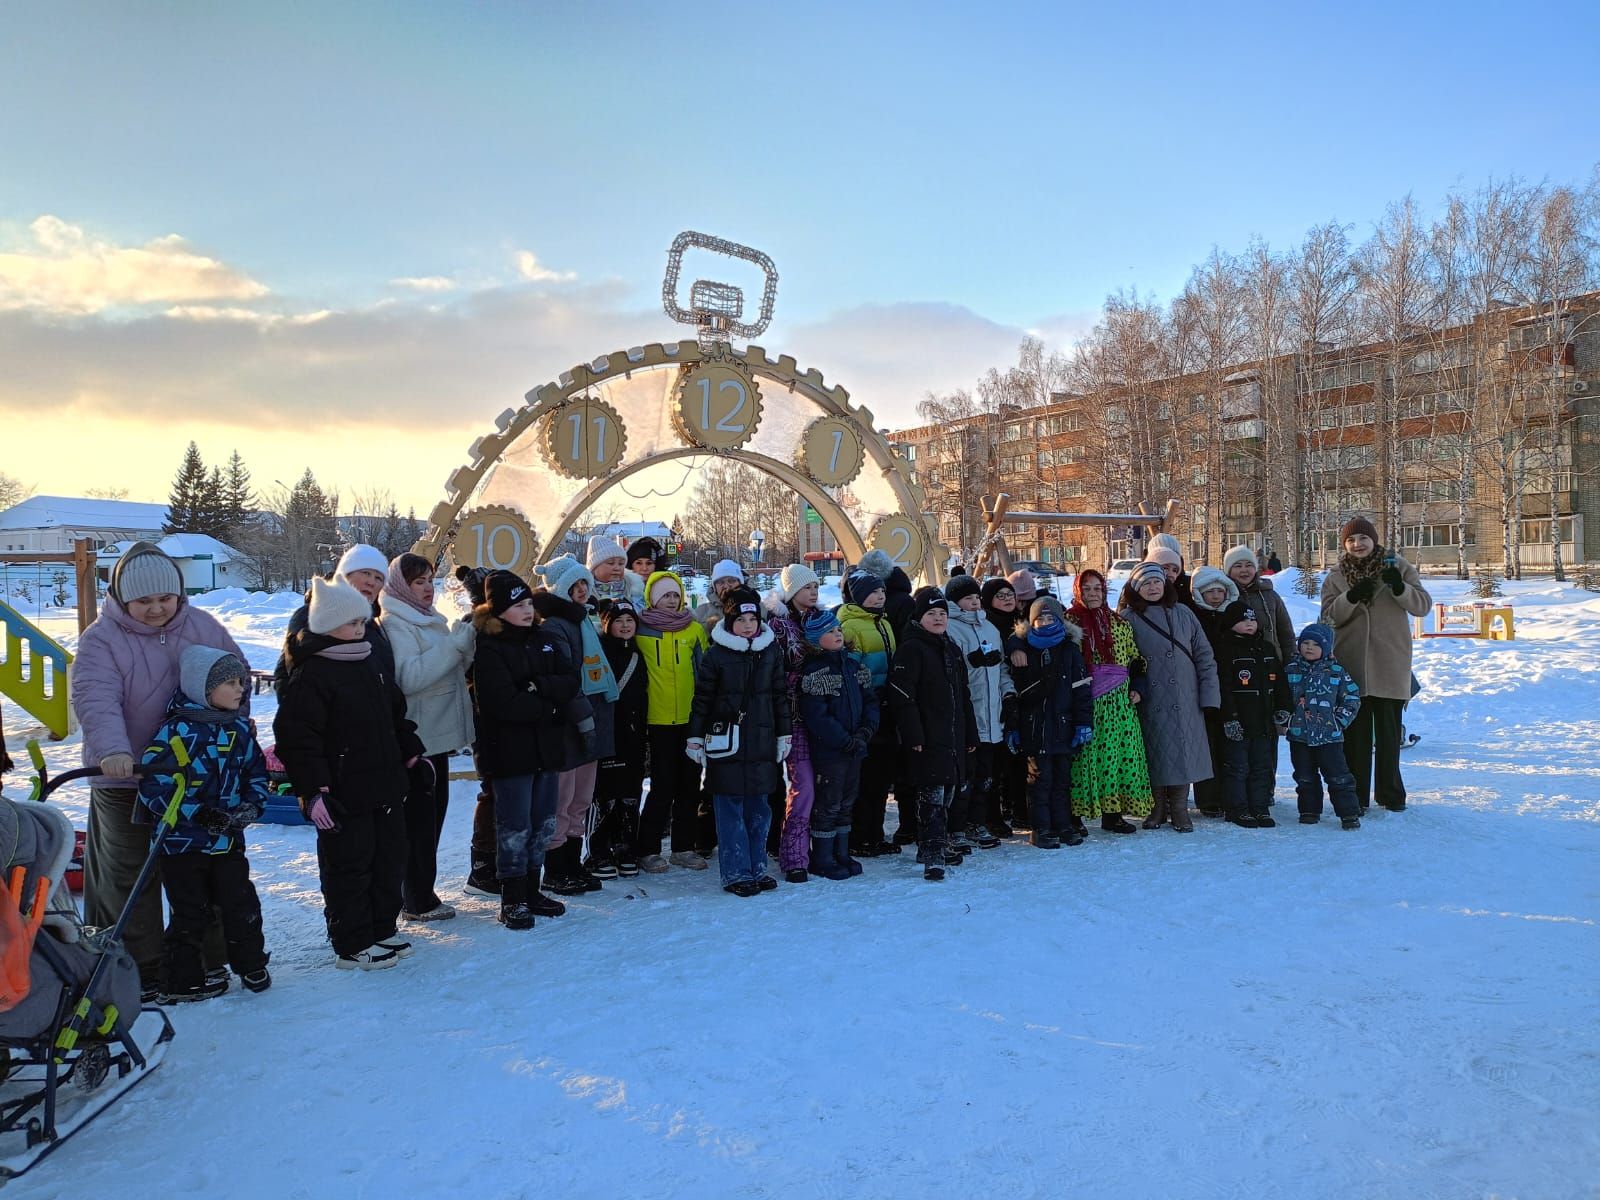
(1110, 775)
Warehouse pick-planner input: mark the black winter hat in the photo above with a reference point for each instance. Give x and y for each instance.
(1239, 610)
(615, 609)
(993, 587)
(739, 600)
(472, 579)
(924, 600)
(646, 547)
(502, 589)
(961, 585)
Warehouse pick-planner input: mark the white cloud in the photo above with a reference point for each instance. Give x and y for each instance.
(531, 269)
(60, 268)
(424, 283)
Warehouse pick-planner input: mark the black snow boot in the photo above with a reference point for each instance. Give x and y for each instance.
(514, 911)
(1117, 823)
(539, 904)
(562, 872)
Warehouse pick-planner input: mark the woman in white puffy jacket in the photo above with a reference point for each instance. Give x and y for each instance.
(431, 657)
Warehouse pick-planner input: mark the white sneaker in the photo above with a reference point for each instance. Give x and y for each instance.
(687, 859)
(373, 958)
(653, 864)
(439, 912)
(400, 947)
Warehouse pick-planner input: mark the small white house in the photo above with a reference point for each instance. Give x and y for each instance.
(50, 524)
(205, 563)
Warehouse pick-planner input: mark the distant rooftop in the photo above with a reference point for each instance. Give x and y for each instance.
(82, 512)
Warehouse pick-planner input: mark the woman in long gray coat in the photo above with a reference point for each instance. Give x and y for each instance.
(1369, 599)
(1180, 686)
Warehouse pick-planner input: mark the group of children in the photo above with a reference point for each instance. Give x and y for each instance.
(581, 687)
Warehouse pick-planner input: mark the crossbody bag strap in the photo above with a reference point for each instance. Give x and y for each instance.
(1166, 633)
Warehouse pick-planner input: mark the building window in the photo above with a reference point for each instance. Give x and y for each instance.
(1431, 491)
(1340, 458)
(1538, 532)
(1426, 536)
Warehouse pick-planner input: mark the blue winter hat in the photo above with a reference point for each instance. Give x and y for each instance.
(860, 585)
(820, 622)
(1319, 633)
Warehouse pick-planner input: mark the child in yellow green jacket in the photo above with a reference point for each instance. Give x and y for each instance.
(672, 643)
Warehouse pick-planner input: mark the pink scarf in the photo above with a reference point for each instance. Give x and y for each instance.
(395, 585)
(663, 621)
(346, 651)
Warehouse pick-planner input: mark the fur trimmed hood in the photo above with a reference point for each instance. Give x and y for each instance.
(721, 636)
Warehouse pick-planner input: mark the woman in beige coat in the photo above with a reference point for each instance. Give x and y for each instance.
(1369, 599)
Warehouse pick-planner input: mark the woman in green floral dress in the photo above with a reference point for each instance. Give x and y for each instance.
(1110, 779)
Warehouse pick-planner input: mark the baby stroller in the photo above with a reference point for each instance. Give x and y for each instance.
(73, 1036)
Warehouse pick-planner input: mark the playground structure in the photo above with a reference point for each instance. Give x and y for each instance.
(1480, 619)
(992, 555)
(34, 667)
(531, 480)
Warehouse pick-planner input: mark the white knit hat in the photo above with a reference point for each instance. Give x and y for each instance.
(361, 557)
(727, 569)
(335, 602)
(600, 549)
(794, 577)
(1165, 541)
(1239, 554)
(562, 574)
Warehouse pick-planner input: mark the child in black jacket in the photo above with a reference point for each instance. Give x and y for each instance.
(928, 693)
(1055, 718)
(620, 783)
(345, 741)
(741, 686)
(522, 686)
(1255, 712)
(839, 708)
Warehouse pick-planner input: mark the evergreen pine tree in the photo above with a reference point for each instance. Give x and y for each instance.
(210, 511)
(238, 500)
(185, 501)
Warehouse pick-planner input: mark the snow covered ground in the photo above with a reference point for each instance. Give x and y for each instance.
(1407, 1011)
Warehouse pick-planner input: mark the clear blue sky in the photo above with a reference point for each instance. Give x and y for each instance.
(1017, 161)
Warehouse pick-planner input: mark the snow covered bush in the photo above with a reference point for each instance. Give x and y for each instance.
(1486, 586)
(1587, 580)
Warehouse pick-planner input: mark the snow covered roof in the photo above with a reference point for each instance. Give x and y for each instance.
(629, 530)
(182, 545)
(81, 512)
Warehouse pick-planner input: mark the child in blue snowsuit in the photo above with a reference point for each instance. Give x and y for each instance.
(209, 750)
(839, 708)
(1326, 701)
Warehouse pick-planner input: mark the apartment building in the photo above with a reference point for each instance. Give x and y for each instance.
(1457, 441)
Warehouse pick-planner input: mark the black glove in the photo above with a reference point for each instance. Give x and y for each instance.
(1139, 666)
(214, 820)
(983, 658)
(1362, 592)
(1396, 582)
(857, 743)
(1234, 731)
(246, 813)
(1008, 711)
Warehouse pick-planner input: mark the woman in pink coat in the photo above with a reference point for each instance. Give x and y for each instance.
(123, 677)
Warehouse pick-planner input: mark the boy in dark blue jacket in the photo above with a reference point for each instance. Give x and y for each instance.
(209, 750)
(839, 708)
(1055, 704)
(1325, 701)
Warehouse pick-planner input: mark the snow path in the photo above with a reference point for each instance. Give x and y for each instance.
(1406, 1011)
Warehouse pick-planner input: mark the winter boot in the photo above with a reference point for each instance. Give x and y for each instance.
(1044, 839)
(1350, 823)
(841, 854)
(1309, 818)
(481, 881)
(204, 990)
(1158, 813)
(514, 911)
(562, 872)
(539, 904)
(1242, 819)
(1117, 823)
(823, 863)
